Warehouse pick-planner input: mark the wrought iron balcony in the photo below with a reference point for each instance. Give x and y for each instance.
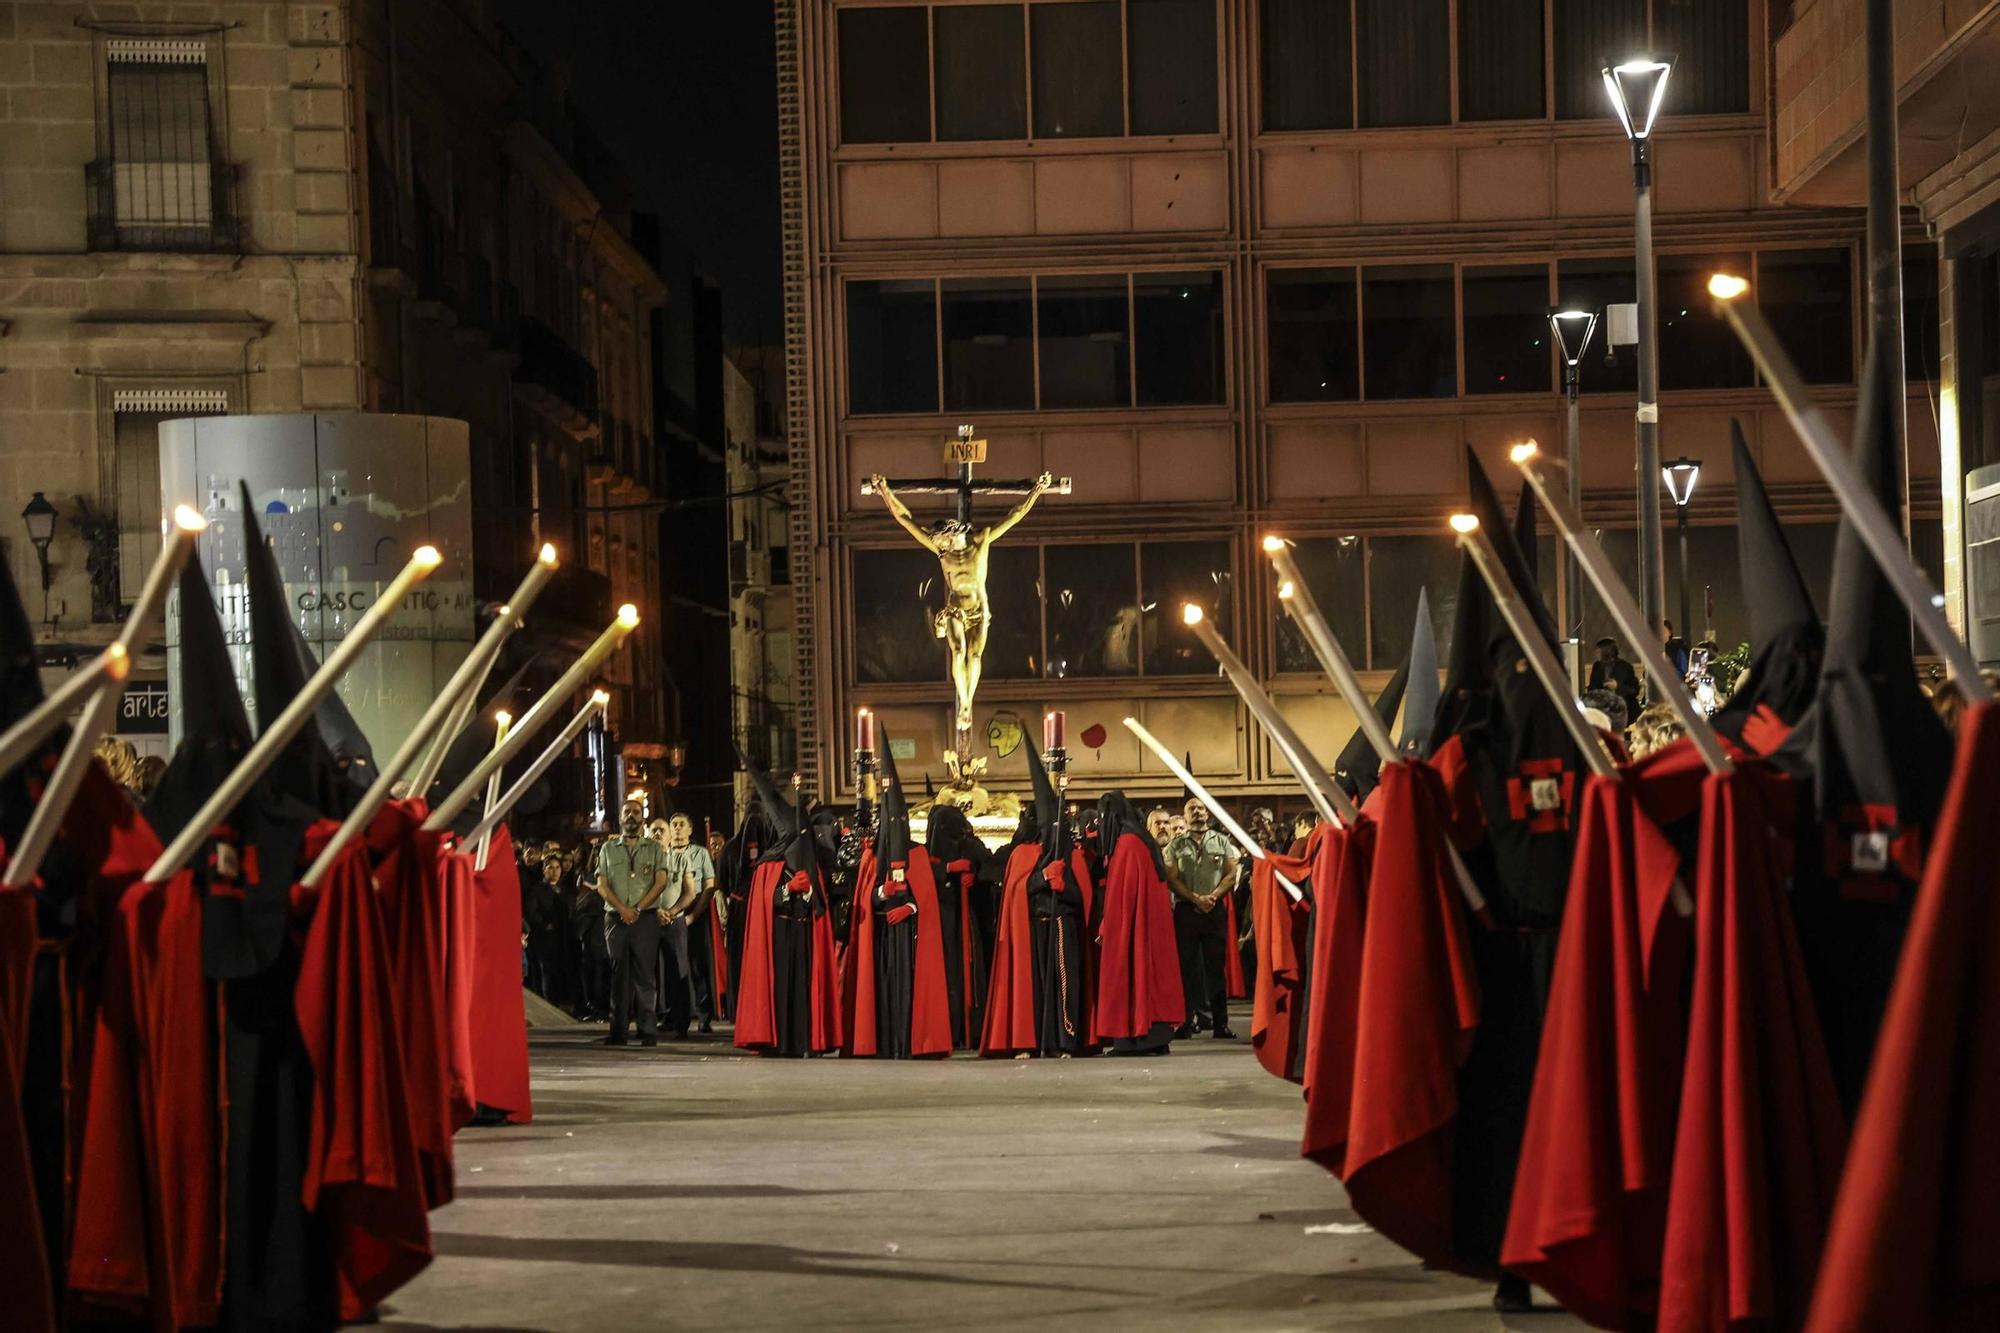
(185, 207)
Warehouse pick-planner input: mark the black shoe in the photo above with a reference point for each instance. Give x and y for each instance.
(649, 1040)
(1224, 1034)
(1184, 1031)
(1513, 1296)
(614, 1041)
(707, 1028)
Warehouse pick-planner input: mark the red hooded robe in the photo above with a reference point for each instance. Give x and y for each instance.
(499, 1016)
(1281, 926)
(1010, 997)
(930, 1009)
(408, 879)
(756, 1018)
(1139, 971)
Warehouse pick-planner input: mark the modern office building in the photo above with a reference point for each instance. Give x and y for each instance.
(1251, 266)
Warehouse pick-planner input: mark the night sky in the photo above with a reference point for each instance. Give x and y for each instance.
(685, 93)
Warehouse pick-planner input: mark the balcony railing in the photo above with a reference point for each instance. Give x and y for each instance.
(162, 206)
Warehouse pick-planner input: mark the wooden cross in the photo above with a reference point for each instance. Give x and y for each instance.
(960, 453)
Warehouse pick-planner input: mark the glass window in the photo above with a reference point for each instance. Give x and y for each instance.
(1398, 569)
(1173, 66)
(1335, 570)
(896, 593)
(1409, 345)
(1312, 332)
(1403, 50)
(1697, 349)
(1179, 346)
(1808, 296)
(1920, 310)
(1308, 64)
(1014, 634)
(1170, 575)
(892, 346)
(1500, 60)
(1711, 42)
(885, 91)
(989, 359)
(982, 82)
(1594, 284)
(1077, 91)
(1092, 602)
(1506, 328)
(1589, 35)
(1086, 355)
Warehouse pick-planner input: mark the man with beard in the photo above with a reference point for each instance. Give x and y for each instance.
(631, 876)
(1201, 869)
(1139, 997)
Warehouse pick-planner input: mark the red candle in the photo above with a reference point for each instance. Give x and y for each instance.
(1054, 724)
(864, 730)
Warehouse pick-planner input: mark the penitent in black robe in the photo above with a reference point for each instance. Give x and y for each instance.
(895, 969)
(1055, 915)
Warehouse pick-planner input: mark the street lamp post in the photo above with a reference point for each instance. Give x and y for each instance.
(1573, 327)
(1680, 475)
(40, 516)
(1637, 88)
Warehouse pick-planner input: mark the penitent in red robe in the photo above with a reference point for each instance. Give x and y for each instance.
(26, 1302)
(930, 1008)
(411, 896)
(363, 1178)
(499, 1019)
(1281, 926)
(1340, 863)
(756, 1008)
(1588, 1214)
(1138, 970)
(1759, 1138)
(1915, 1237)
(1417, 1008)
(1010, 996)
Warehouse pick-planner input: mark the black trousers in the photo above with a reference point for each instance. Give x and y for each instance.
(676, 998)
(701, 965)
(1200, 938)
(635, 959)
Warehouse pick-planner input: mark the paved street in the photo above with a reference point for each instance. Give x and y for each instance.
(687, 1187)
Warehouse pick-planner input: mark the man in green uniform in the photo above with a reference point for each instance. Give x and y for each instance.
(1201, 867)
(631, 875)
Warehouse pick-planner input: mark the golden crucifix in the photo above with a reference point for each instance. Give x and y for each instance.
(962, 551)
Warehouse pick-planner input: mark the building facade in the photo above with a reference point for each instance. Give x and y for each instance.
(1250, 266)
(761, 652)
(275, 207)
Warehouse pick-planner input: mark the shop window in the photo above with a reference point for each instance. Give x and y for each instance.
(1312, 335)
(1398, 569)
(897, 592)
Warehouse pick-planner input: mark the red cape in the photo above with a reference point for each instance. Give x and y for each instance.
(499, 1016)
(1279, 925)
(1139, 970)
(1758, 1144)
(1418, 1006)
(26, 1302)
(1340, 863)
(756, 1018)
(460, 891)
(1010, 998)
(362, 1173)
(411, 895)
(1589, 1207)
(1915, 1237)
(930, 1007)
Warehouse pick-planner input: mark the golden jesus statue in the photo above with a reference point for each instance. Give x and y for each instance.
(962, 551)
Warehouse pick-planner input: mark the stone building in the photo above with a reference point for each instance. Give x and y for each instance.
(1243, 266)
(762, 705)
(275, 207)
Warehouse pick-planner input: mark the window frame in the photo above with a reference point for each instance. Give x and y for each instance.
(228, 234)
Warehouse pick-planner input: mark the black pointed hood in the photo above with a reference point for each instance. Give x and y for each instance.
(779, 814)
(892, 838)
(1358, 766)
(1116, 817)
(1047, 804)
(1479, 634)
(1787, 641)
(1420, 699)
(1870, 738)
(215, 730)
(307, 769)
(1515, 543)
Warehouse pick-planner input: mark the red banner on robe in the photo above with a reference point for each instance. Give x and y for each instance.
(1915, 1237)
(408, 880)
(1340, 863)
(499, 1027)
